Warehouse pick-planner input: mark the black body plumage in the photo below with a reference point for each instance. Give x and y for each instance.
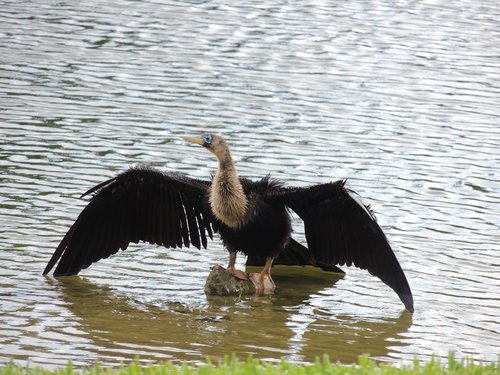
(267, 228)
(172, 210)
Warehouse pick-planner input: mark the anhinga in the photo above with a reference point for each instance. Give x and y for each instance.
(252, 217)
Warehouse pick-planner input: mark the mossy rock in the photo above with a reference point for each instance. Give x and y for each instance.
(220, 282)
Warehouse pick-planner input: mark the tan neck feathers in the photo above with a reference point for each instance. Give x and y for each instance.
(227, 198)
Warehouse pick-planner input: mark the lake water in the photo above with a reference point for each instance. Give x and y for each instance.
(400, 97)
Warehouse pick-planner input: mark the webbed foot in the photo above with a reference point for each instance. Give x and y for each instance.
(263, 283)
(240, 275)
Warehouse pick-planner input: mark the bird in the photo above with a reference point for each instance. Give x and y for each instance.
(252, 217)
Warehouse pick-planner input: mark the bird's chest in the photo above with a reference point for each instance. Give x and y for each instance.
(228, 202)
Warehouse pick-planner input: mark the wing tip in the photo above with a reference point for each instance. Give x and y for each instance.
(53, 260)
(407, 300)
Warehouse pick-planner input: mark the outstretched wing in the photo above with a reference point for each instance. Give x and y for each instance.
(341, 230)
(140, 204)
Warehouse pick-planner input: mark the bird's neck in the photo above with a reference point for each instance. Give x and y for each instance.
(227, 198)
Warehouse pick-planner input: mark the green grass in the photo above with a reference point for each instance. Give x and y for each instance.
(365, 366)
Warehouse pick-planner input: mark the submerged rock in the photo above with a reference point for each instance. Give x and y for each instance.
(220, 282)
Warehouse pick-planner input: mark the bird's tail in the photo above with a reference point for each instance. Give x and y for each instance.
(294, 254)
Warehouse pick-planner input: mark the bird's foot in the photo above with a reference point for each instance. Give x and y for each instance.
(262, 282)
(240, 275)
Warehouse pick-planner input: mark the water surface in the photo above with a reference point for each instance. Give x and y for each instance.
(401, 98)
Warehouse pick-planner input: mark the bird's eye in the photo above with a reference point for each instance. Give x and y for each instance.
(207, 139)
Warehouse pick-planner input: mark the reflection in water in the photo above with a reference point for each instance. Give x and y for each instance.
(121, 327)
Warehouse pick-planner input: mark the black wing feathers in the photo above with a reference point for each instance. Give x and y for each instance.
(138, 205)
(340, 230)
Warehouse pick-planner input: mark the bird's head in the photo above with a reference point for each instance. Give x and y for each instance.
(212, 142)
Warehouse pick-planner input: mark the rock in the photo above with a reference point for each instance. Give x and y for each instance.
(222, 283)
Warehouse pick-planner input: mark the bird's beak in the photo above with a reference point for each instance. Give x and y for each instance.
(198, 141)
